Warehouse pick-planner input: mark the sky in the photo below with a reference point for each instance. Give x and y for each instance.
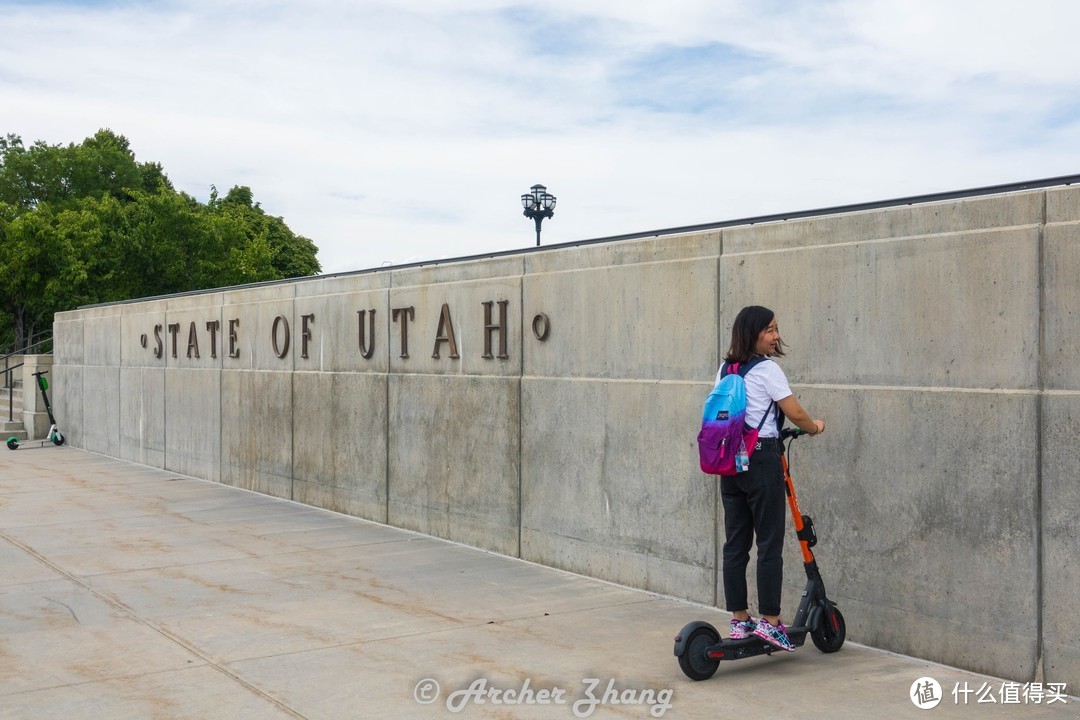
(406, 131)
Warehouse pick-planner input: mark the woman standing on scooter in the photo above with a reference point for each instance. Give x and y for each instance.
(754, 500)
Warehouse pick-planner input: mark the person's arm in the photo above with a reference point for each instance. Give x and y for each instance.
(802, 420)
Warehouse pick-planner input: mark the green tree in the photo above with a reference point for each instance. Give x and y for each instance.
(88, 223)
(34, 256)
(289, 254)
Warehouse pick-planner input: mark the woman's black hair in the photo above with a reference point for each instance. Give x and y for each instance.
(748, 325)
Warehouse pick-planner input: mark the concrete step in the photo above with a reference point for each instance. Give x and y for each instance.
(16, 404)
(12, 429)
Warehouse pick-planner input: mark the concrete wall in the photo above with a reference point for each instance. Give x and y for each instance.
(935, 339)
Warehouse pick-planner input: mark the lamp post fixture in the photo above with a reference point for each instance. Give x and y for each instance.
(539, 204)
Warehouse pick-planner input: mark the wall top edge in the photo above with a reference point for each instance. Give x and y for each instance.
(1003, 189)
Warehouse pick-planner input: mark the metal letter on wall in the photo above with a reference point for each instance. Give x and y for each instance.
(174, 330)
(192, 342)
(541, 327)
(367, 347)
(445, 333)
(305, 333)
(213, 327)
(234, 352)
(499, 327)
(281, 349)
(159, 349)
(406, 314)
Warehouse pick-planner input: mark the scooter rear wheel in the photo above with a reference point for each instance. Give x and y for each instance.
(693, 662)
(829, 638)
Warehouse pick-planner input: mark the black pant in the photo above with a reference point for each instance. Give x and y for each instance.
(754, 505)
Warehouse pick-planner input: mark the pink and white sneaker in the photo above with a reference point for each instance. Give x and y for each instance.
(742, 628)
(775, 635)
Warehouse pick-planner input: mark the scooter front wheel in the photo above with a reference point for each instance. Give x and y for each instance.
(59, 439)
(695, 665)
(13, 443)
(830, 636)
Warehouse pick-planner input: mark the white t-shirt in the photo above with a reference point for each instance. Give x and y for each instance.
(765, 383)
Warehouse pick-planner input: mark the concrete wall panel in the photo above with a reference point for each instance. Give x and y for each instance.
(1063, 204)
(334, 343)
(624, 319)
(142, 383)
(339, 442)
(611, 487)
(1060, 428)
(453, 467)
(630, 252)
(100, 430)
(67, 375)
(456, 272)
(1060, 500)
(926, 311)
(67, 401)
(257, 431)
(1024, 209)
(341, 284)
(924, 544)
(102, 336)
(193, 416)
(142, 415)
(139, 321)
(256, 312)
(195, 334)
(463, 292)
(1061, 311)
(68, 338)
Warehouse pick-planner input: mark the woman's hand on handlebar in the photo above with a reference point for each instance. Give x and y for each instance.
(798, 417)
(819, 426)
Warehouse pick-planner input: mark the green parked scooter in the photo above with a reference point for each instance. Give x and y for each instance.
(55, 436)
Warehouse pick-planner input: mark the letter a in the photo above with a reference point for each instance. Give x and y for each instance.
(445, 333)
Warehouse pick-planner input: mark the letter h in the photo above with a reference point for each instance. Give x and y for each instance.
(499, 327)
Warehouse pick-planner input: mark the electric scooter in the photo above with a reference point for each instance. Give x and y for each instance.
(700, 648)
(55, 436)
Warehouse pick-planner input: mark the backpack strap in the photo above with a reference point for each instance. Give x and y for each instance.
(743, 369)
(772, 403)
(740, 368)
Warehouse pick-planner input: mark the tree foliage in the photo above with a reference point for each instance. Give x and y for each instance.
(88, 223)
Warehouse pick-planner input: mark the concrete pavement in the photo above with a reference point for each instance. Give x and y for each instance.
(131, 592)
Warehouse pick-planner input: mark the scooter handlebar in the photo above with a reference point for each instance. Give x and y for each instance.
(787, 433)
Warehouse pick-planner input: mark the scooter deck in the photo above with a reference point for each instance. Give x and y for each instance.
(728, 649)
(30, 444)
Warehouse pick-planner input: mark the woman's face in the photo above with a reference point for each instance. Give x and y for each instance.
(767, 339)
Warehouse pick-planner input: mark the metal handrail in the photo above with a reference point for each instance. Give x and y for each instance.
(24, 351)
(11, 388)
(45, 335)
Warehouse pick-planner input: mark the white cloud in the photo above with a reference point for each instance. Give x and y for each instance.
(407, 130)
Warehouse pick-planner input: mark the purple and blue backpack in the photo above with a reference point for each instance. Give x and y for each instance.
(723, 422)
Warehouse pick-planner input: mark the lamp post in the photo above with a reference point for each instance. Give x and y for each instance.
(539, 204)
